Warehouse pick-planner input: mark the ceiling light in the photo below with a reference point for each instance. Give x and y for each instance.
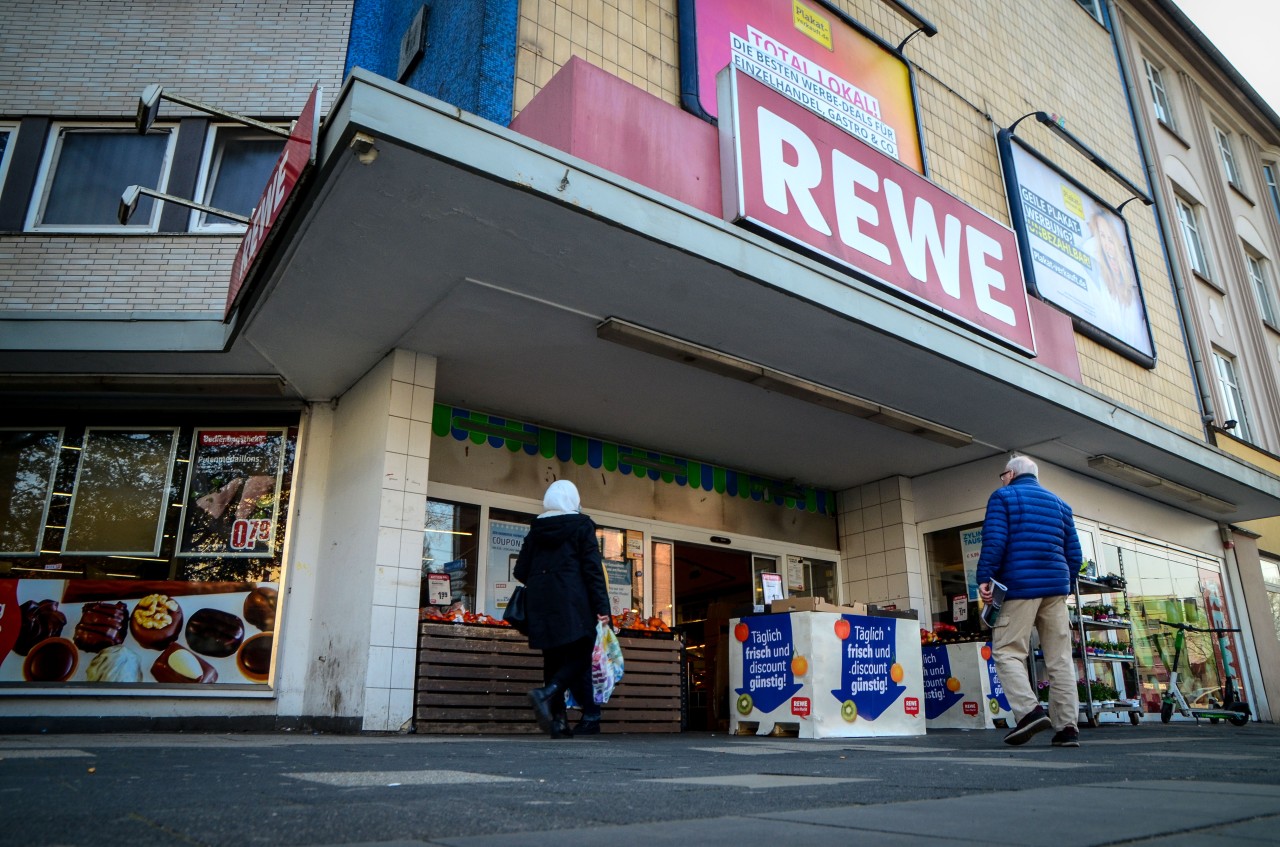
(1146, 479)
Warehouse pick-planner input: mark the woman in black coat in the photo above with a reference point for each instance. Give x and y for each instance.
(565, 595)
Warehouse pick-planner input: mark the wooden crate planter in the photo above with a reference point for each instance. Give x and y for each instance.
(475, 678)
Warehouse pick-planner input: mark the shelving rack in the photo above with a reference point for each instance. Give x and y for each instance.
(1118, 629)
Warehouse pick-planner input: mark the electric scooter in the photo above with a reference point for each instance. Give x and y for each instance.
(1234, 711)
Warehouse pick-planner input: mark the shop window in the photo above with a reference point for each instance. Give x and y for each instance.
(1189, 220)
(952, 556)
(28, 459)
(121, 492)
(1261, 279)
(86, 169)
(1233, 405)
(663, 567)
(1159, 95)
(238, 162)
(1271, 579)
(1227, 156)
(1269, 177)
(811, 578)
(450, 556)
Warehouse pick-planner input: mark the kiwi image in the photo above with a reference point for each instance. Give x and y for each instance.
(744, 704)
(849, 711)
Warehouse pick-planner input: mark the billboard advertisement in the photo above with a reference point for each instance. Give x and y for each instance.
(1076, 253)
(790, 173)
(810, 52)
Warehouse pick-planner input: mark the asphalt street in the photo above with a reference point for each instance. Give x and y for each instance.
(1177, 784)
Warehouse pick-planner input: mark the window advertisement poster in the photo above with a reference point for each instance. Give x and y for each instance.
(1076, 253)
(831, 675)
(136, 633)
(231, 507)
(813, 54)
(970, 553)
(505, 541)
(771, 587)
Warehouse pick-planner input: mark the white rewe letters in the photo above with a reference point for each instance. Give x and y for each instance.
(792, 172)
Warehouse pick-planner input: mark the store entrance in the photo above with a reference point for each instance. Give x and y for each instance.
(712, 585)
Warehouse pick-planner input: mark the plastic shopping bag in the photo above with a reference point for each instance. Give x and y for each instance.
(606, 666)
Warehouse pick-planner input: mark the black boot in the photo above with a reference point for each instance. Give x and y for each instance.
(560, 727)
(589, 725)
(543, 701)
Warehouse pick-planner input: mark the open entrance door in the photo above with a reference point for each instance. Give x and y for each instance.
(712, 585)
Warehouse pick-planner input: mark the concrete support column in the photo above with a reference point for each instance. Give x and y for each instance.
(880, 558)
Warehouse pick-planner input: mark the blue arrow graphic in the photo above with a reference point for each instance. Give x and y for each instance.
(937, 670)
(997, 690)
(866, 658)
(766, 662)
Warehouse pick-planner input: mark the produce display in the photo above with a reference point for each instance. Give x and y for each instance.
(628, 620)
(945, 633)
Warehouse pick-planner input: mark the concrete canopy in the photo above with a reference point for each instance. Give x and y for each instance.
(498, 255)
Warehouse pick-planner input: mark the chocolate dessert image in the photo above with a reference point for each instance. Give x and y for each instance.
(115, 664)
(254, 658)
(52, 660)
(39, 621)
(156, 621)
(101, 625)
(214, 632)
(178, 664)
(260, 608)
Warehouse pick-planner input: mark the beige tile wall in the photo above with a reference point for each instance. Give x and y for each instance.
(991, 62)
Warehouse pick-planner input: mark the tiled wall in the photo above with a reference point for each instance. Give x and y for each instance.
(991, 62)
(880, 554)
(397, 572)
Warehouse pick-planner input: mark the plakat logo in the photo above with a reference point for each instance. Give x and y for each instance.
(800, 706)
(970, 707)
(911, 705)
(231, 439)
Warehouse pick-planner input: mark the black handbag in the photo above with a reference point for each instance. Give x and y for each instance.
(515, 613)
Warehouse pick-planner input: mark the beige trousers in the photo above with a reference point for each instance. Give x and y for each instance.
(1011, 642)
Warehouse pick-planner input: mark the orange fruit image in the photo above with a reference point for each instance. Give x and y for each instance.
(986, 652)
(742, 632)
(842, 629)
(953, 684)
(799, 666)
(896, 673)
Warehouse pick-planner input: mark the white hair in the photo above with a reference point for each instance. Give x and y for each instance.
(1022, 464)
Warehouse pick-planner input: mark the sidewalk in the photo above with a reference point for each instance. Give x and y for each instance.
(1179, 784)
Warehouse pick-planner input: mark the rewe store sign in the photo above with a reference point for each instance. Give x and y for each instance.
(791, 173)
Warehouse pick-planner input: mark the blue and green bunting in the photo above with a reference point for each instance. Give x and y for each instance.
(515, 436)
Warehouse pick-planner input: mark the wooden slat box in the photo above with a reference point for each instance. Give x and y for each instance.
(475, 679)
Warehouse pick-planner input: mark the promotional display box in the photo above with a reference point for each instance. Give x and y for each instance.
(826, 675)
(961, 689)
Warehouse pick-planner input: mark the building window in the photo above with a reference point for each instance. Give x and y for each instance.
(1233, 408)
(1189, 219)
(238, 162)
(1269, 176)
(1271, 579)
(86, 169)
(7, 132)
(1228, 158)
(1094, 8)
(1261, 280)
(1159, 95)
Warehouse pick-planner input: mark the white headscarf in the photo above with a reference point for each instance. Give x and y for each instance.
(561, 499)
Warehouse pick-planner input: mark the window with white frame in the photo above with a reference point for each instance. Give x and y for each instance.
(237, 164)
(1189, 220)
(1159, 94)
(1261, 279)
(1094, 8)
(7, 133)
(1269, 177)
(1228, 158)
(1233, 407)
(86, 169)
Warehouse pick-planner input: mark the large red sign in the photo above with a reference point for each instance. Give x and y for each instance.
(298, 154)
(809, 181)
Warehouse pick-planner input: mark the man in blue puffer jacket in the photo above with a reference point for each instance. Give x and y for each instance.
(1029, 544)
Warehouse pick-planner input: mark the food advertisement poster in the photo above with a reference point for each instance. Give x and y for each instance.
(831, 675)
(171, 635)
(1076, 253)
(970, 553)
(233, 493)
(810, 53)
